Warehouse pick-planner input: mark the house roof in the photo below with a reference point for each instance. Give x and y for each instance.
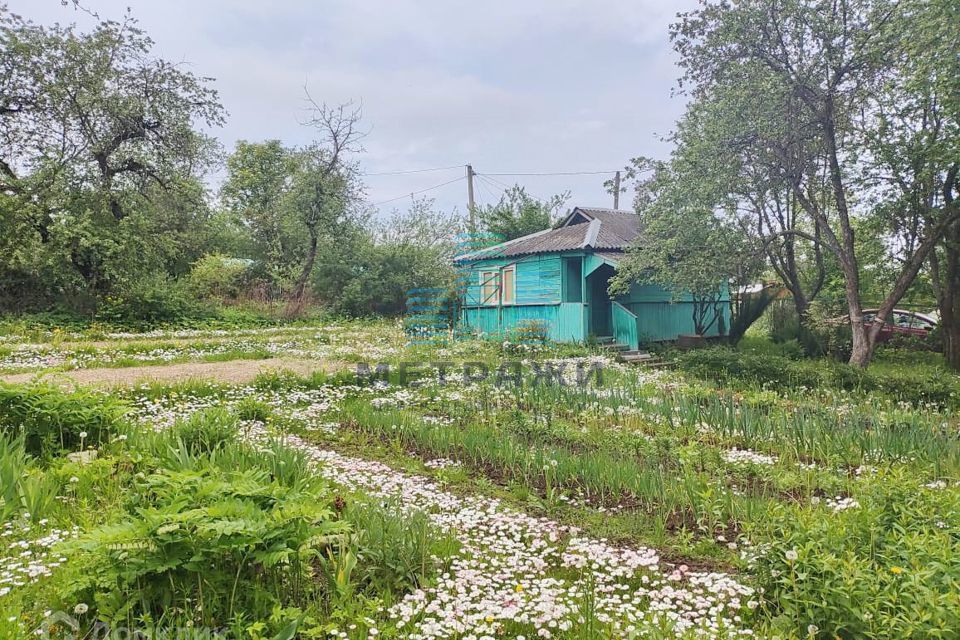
(583, 229)
(611, 256)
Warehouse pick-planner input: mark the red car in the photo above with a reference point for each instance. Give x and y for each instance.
(902, 323)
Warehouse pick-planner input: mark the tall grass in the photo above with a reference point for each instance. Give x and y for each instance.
(13, 462)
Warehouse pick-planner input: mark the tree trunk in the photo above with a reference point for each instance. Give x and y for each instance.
(947, 298)
(951, 344)
(863, 338)
(801, 305)
(862, 351)
(301, 287)
(946, 280)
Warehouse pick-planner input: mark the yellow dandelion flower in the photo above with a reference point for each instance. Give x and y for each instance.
(896, 570)
(518, 588)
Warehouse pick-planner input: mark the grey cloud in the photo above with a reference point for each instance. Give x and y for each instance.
(538, 85)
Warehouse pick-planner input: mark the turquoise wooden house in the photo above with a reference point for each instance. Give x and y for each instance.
(560, 276)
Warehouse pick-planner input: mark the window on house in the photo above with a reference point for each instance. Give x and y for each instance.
(509, 280)
(489, 287)
(573, 280)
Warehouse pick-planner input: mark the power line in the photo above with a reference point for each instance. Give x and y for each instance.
(413, 193)
(503, 187)
(553, 173)
(406, 171)
(401, 172)
(486, 177)
(497, 189)
(489, 187)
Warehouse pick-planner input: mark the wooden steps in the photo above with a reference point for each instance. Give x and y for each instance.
(624, 353)
(642, 358)
(607, 343)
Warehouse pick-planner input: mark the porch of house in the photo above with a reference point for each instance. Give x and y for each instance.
(608, 321)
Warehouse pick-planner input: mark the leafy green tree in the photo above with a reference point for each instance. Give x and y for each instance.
(100, 158)
(707, 156)
(256, 193)
(688, 247)
(371, 270)
(518, 214)
(295, 202)
(803, 88)
(99, 108)
(923, 168)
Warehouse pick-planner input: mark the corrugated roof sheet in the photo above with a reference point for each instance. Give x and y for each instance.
(612, 256)
(584, 228)
(618, 228)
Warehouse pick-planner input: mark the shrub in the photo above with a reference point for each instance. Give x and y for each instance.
(784, 321)
(154, 301)
(933, 341)
(206, 546)
(528, 336)
(885, 569)
(51, 420)
(724, 364)
(218, 276)
(918, 386)
(207, 430)
(729, 366)
(825, 333)
(114, 313)
(828, 333)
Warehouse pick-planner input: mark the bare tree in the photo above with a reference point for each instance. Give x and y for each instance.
(327, 180)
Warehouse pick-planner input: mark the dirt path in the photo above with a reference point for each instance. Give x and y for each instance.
(115, 343)
(232, 371)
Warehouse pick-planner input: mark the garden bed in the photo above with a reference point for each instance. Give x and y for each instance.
(650, 504)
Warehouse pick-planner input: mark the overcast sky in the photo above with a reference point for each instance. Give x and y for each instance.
(511, 86)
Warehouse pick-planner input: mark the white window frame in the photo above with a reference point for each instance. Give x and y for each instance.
(488, 279)
(513, 285)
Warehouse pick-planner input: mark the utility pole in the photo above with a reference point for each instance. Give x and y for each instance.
(470, 202)
(616, 191)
